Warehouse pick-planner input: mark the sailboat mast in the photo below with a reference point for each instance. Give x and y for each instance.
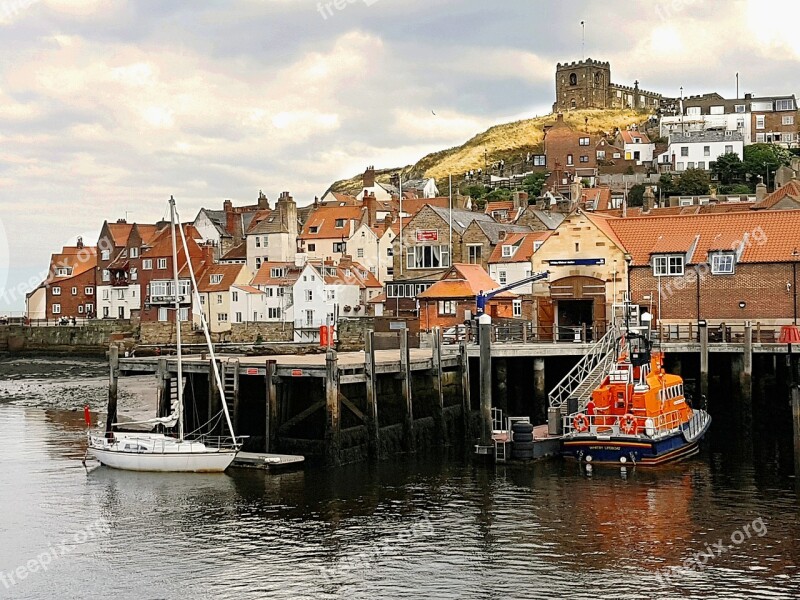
(177, 315)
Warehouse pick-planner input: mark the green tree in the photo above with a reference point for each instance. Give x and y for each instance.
(693, 182)
(735, 189)
(666, 184)
(498, 194)
(475, 191)
(728, 167)
(763, 159)
(533, 184)
(636, 195)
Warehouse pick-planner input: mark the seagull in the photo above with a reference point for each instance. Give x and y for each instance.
(433, 113)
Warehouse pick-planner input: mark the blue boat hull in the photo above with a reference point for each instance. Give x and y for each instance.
(634, 450)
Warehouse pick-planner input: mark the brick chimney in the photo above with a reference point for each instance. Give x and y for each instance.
(208, 250)
(369, 177)
(230, 218)
(79, 245)
(263, 201)
(520, 199)
(387, 221)
(371, 204)
(761, 190)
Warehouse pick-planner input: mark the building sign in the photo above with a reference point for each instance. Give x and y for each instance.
(427, 235)
(570, 262)
(253, 371)
(397, 325)
(297, 372)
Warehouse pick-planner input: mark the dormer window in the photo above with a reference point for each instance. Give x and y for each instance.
(63, 271)
(722, 263)
(339, 223)
(667, 265)
(313, 229)
(508, 251)
(134, 253)
(275, 272)
(216, 279)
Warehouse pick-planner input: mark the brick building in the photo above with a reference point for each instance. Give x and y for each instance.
(587, 84)
(70, 289)
(452, 300)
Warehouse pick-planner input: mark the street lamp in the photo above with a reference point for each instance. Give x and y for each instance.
(627, 305)
(795, 256)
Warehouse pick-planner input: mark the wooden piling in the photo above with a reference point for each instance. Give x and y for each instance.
(539, 391)
(333, 440)
(704, 359)
(438, 404)
(113, 379)
(408, 409)
(466, 401)
(746, 375)
(486, 383)
(373, 427)
(796, 427)
(164, 384)
(271, 431)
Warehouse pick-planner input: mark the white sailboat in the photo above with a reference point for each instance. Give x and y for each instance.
(134, 451)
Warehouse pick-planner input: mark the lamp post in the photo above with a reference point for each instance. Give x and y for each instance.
(628, 262)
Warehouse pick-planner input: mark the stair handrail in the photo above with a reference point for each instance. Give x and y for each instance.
(597, 360)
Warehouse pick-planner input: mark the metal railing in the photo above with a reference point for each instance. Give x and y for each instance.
(587, 374)
(652, 427)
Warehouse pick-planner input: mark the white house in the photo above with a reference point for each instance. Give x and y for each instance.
(276, 280)
(248, 304)
(699, 150)
(637, 146)
(274, 239)
(511, 258)
(372, 247)
(215, 285)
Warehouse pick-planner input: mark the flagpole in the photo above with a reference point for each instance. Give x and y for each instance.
(451, 218)
(400, 182)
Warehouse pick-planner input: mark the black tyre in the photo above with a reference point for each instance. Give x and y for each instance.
(522, 446)
(522, 428)
(526, 455)
(523, 437)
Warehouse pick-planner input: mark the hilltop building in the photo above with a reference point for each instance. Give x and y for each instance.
(587, 84)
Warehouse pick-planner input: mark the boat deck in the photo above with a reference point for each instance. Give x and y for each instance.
(265, 460)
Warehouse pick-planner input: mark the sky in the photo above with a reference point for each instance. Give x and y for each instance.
(108, 107)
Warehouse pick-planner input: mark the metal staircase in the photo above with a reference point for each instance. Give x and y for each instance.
(230, 379)
(587, 374)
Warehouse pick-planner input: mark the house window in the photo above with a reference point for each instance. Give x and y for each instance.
(573, 79)
(722, 263)
(276, 272)
(238, 317)
(134, 274)
(235, 297)
(759, 121)
(517, 306)
(269, 292)
(474, 254)
(56, 309)
(701, 165)
(536, 246)
(668, 264)
(219, 298)
(74, 291)
(706, 150)
(447, 307)
(584, 141)
(508, 251)
(216, 279)
(684, 150)
(339, 247)
(89, 308)
(62, 272)
(693, 110)
(570, 160)
(309, 295)
(162, 314)
(339, 223)
(80, 309)
(739, 108)
(222, 317)
(601, 155)
(258, 262)
(147, 264)
(539, 160)
(274, 313)
(787, 104)
(183, 314)
(202, 300)
(266, 241)
(106, 275)
(56, 291)
(617, 155)
(679, 166)
(106, 294)
(360, 253)
(760, 138)
(258, 242)
(162, 263)
(502, 277)
(120, 294)
(88, 291)
(584, 159)
(690, 165)
(428, 257)
(787, 120)
(330, 295)
(134, 253)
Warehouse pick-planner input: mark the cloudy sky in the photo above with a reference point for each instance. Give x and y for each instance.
(109, 106)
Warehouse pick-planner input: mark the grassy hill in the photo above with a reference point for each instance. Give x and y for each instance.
(509, 142)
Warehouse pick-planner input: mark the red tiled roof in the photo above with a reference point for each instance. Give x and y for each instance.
(120, 232)
(602, 223)
(499, 205)
(464, 281)
(791, 189)
(79, 260)
(627, 137)
(264, 274)
(600, 197)
(236, 253)
(379, 299)
(769, 236)
(412, 206)
(247, 288)
(524, 243)
(228, 273)
(695, 209)
(324, 219)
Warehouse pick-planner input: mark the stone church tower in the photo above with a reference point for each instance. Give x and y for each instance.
(583, 84)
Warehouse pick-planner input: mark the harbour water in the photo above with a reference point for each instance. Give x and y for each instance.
(724, 525)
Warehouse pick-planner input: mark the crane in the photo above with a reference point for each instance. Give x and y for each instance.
(484, 297)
